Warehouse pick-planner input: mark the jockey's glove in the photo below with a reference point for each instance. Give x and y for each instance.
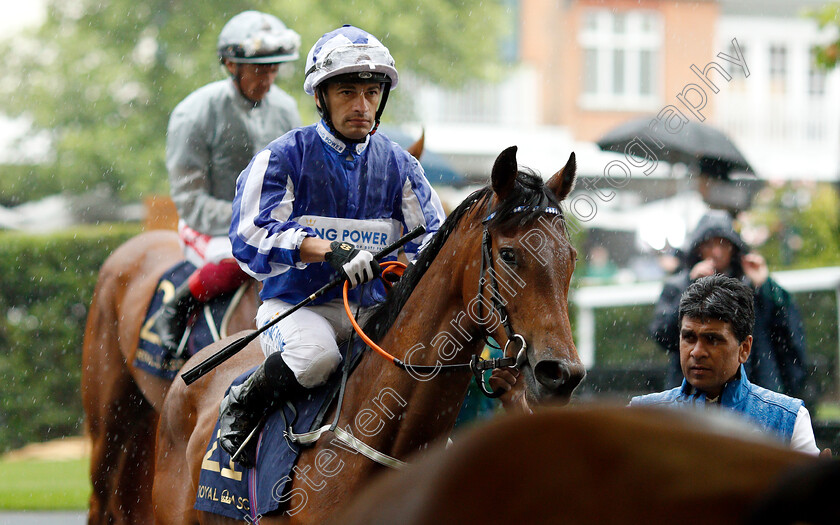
(357, 266)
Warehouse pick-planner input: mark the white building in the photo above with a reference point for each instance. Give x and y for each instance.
(786, 116)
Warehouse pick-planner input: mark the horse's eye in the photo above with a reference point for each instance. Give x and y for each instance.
(508, 255)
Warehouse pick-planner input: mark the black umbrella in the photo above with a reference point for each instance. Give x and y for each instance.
(699, 145)
(437, 169)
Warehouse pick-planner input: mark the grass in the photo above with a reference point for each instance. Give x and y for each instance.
(44, 485)
(828, 411)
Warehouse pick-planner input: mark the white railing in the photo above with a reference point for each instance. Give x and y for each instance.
(588, 298)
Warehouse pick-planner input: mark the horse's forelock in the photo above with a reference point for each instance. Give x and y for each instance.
(529, 191)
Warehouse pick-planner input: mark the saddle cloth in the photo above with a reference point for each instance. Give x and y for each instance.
(246, 494)
(204, 327)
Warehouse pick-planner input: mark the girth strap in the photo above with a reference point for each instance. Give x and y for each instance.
(351, 440)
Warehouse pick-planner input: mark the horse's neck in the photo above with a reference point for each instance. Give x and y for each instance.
(432, 328)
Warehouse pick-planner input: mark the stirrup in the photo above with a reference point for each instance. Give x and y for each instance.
(182, 345)
(237, 456)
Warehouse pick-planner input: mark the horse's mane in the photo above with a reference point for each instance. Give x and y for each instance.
(529, 191)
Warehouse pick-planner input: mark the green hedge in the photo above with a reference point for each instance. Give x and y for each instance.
(46, 284)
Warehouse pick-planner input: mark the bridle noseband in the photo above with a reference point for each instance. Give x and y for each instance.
(477, 365)
(519, 346)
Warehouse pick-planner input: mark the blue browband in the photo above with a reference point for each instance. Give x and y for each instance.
(548, 209)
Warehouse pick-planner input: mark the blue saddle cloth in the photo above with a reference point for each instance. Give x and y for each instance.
(246, 494)
(161, 362)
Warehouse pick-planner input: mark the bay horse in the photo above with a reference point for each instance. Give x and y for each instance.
(516, 226)
(596, 465)
(121, 402)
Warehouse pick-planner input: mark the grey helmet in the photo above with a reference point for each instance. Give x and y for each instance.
(252, 37)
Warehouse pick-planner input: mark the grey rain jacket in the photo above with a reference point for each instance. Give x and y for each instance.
(211, 138)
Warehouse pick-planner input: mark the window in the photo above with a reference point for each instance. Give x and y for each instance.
(618, 71)
(590, 76)
(621, 51)
(738, 83)
(816, 76)
(778, 68)
(645, 72)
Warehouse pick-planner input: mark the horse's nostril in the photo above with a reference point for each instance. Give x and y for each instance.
(557, 376)
(548, 370)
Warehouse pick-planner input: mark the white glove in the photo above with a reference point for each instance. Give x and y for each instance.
(357, 266)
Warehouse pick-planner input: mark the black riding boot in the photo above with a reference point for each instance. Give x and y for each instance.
(243, 409)
(172, 320)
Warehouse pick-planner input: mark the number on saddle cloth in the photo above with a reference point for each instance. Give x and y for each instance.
(203, 329)
(227, 489)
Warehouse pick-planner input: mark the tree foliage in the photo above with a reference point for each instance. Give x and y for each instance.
(103, 77)
(827, 16)
(800, 223)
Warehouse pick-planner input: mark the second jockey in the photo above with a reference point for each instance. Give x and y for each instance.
(212, 135)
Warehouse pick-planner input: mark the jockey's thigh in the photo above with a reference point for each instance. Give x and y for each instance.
(307, 338)
(200, 248)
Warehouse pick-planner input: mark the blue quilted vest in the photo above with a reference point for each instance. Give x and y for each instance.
(774, 413)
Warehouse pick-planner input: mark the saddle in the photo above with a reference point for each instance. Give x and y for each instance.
(206, 325)
(230, 490)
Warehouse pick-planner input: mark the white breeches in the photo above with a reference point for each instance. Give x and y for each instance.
(200, 249)
(307, 338)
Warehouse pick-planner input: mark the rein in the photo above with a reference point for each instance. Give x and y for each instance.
(476, 365)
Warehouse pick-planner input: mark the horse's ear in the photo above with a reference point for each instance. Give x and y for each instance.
(564, 180)
(416, 149)
(504, 172)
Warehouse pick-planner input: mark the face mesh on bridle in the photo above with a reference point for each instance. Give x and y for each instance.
(529, 191)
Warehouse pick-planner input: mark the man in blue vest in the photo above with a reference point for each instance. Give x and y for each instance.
(716, 317)
(778, 359)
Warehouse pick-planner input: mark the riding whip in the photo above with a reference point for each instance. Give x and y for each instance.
(227, 352)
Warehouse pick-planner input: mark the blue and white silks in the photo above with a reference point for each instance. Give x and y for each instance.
(309, 183)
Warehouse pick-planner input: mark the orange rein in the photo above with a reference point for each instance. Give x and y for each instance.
(389, 267)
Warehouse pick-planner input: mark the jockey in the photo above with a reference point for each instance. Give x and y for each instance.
(316, 202)
(212, 135)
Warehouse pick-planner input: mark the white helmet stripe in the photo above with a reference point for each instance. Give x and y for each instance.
(347, 50)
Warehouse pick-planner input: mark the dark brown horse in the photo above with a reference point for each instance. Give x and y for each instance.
(591, 465)
(432, 316)
(122, 402)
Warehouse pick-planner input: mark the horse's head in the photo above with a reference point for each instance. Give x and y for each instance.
(527, 266)
(502, 266)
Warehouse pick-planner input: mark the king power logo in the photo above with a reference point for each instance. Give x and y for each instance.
(369, 235)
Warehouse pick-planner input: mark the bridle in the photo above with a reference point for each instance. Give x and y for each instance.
(477, 365)
(517, 343)
(518, 358)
